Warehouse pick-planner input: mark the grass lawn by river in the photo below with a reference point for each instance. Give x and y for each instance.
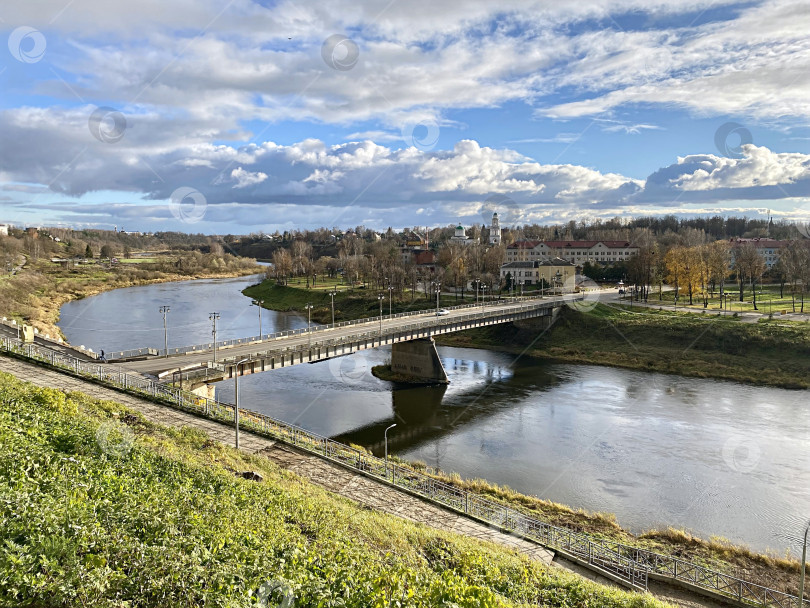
(356, 303)
(102, 508)
(704, 346)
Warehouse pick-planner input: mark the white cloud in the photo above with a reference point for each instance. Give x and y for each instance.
(244, 178)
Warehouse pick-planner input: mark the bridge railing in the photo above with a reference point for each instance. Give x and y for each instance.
(629, 564)
(316, 328)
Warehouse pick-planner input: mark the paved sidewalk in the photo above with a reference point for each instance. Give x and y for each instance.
(341, 481)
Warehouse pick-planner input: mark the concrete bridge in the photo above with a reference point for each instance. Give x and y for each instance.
(410, 335)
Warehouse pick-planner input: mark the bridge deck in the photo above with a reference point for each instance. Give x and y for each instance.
(330, 341)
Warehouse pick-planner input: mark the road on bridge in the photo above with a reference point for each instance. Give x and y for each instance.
(155, 365)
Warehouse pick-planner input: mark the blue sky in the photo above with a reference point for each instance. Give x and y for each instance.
(223, 116)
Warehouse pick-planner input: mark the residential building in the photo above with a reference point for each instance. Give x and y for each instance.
(767, 248)
(555, 271)
(577, 252)
(4, 229)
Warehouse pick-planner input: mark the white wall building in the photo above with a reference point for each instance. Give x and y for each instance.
(460, 237)
(4, 229)
(577, 252)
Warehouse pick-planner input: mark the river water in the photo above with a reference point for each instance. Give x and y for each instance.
(716, 458)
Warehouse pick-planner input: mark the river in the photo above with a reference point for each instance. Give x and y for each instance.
(716, 458)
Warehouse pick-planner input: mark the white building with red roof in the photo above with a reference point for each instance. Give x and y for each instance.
(577, 252)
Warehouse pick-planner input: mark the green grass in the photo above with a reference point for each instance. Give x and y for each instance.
(349, 304)
(768, 300)
(165, 522)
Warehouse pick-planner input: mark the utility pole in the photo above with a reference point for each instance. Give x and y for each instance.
(164, 310)
(260, 304)
(438, 291)
(213, 317)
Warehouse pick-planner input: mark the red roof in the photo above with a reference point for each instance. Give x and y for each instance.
(568, 244)
(760, 242)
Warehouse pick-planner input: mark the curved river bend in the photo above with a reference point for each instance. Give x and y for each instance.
(717, 458)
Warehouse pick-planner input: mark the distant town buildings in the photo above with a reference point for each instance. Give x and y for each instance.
(767, 248)
(495, 230)
(554, 271)
(576, 252)
(460, 237)
(4, 229)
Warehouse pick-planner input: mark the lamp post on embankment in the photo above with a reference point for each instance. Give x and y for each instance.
(309, 308)
(236, 398)
(380, 298)
(213, 317)
(386, 448)
(260, 304)
(333, 293)
(164, 310)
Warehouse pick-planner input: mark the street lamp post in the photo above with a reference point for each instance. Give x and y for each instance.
(236, 398)
(164, 310)
(213, 317)
(521, 288)
(483, 296)
(476, 282)
(380, 298)
(804, 563)
(333, 293)
(438, 293)
(309, 308)
(386, 448)
(390, 298)
(260, 304)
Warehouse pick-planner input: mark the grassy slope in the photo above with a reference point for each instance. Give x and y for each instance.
(166, 523)
(40, 290)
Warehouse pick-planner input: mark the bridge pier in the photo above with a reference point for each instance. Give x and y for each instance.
(418, 359)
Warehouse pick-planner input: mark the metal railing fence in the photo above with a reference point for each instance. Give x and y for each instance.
(320, 330)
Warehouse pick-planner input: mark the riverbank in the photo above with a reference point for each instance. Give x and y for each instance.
(767, 353)
(171, 517)
(36, 294)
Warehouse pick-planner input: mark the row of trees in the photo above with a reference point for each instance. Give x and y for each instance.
(702, 270)
(380, 265)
